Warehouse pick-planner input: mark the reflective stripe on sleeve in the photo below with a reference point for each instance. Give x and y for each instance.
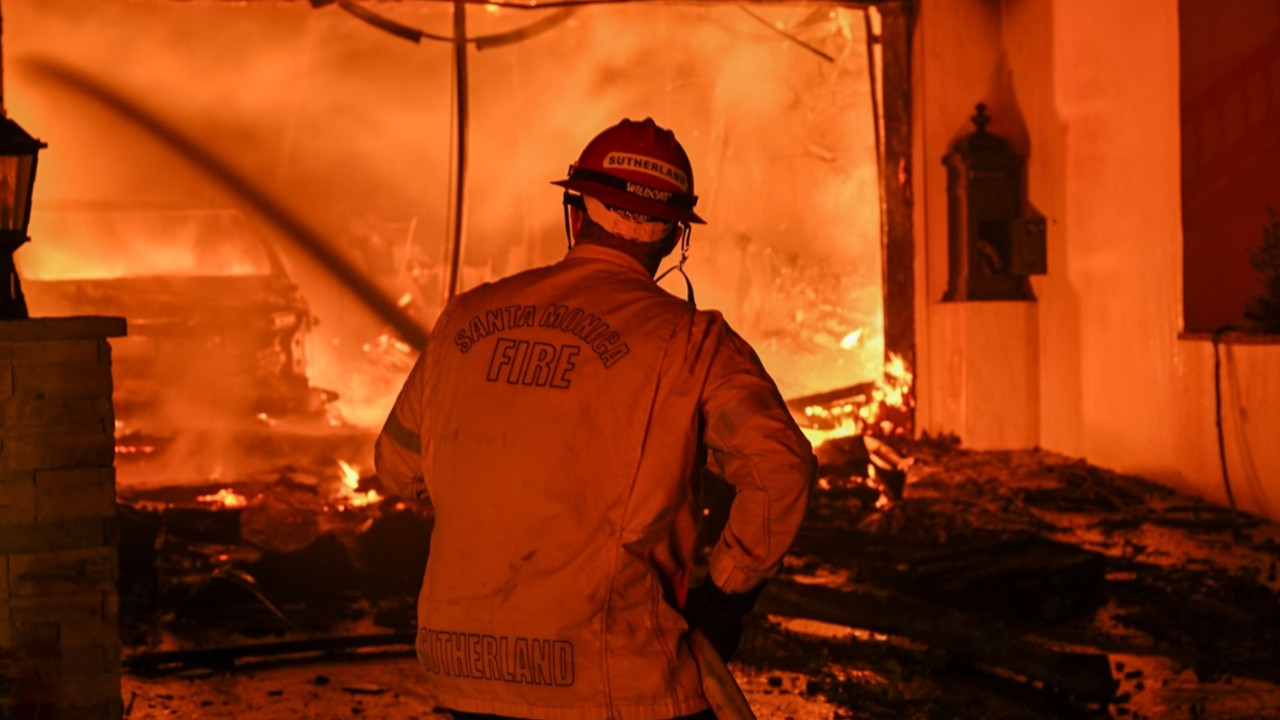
(726, 424)
(404, 437)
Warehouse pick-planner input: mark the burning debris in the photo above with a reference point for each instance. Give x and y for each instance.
(882, 408)
(216, 355)
(224, 498)
(853, 430)
(207, 300)
(999, 586)
(271, 555)
(1042, 573)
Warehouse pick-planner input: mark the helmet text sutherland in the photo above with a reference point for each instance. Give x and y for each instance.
(649, 166)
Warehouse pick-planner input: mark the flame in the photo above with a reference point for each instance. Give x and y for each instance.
(225, 497)
(846, 428)
(896, 385)
(892, 391)
(351, 488)
(761, 281)
(350, 476)
(79, 244)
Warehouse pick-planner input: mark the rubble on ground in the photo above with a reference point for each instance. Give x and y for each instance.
(987, 585)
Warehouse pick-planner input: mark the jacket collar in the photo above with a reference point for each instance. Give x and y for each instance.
(590, 251)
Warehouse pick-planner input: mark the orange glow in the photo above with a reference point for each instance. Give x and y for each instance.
(79, 244)
(350, 476)
(797, 276)
(847, 427)
(386, 341)
(891, 392)
(350, 491)
(225, 497)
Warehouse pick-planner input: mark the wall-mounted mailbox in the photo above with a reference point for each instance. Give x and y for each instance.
(993, 244)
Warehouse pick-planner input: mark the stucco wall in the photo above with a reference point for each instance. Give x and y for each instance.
(969, 362)
(1088, 90)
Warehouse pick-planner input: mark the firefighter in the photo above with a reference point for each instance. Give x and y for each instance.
(558, 421)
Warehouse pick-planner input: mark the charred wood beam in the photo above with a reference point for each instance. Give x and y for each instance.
(897, 21)
(461, 92)
(1084, 676)
(172, 661)
(3, 112)
(786, 34)
(386, 24)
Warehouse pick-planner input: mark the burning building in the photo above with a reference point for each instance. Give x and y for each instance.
(352, 130)
(280, 195)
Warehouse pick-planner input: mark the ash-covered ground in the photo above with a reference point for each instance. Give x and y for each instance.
(999, 585)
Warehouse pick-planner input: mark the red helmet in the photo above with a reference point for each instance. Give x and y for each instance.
(639, 167)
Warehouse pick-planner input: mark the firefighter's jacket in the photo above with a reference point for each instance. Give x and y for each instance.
(558, 420)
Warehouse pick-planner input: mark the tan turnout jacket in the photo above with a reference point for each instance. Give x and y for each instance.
(558, 420)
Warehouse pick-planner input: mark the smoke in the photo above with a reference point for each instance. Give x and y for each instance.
(354, 128)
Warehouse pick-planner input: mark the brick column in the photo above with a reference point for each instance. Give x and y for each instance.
(59, 629)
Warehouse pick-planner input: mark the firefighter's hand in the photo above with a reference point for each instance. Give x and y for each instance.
(719, 614)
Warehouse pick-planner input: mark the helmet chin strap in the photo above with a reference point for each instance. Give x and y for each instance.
(568, 234)
(685, 231)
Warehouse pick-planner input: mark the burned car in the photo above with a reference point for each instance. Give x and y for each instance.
(217, 329)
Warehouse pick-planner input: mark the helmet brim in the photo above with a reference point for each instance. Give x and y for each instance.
(629, 201)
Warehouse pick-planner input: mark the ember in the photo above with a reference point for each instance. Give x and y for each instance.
(352, 493)
(225, 497)
(882, 409)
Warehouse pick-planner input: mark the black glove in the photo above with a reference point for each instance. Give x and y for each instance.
(719, 614)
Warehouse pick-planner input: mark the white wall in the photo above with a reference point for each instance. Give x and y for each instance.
(1088, 90)
(977, 362)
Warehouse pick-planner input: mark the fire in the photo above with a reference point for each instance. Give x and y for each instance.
(797, 300)
(351, 493)
(873, 476)
(350, 476)
(226, 497)
(817, 436)
(891, 396)
(896, 386)
(78, 244)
